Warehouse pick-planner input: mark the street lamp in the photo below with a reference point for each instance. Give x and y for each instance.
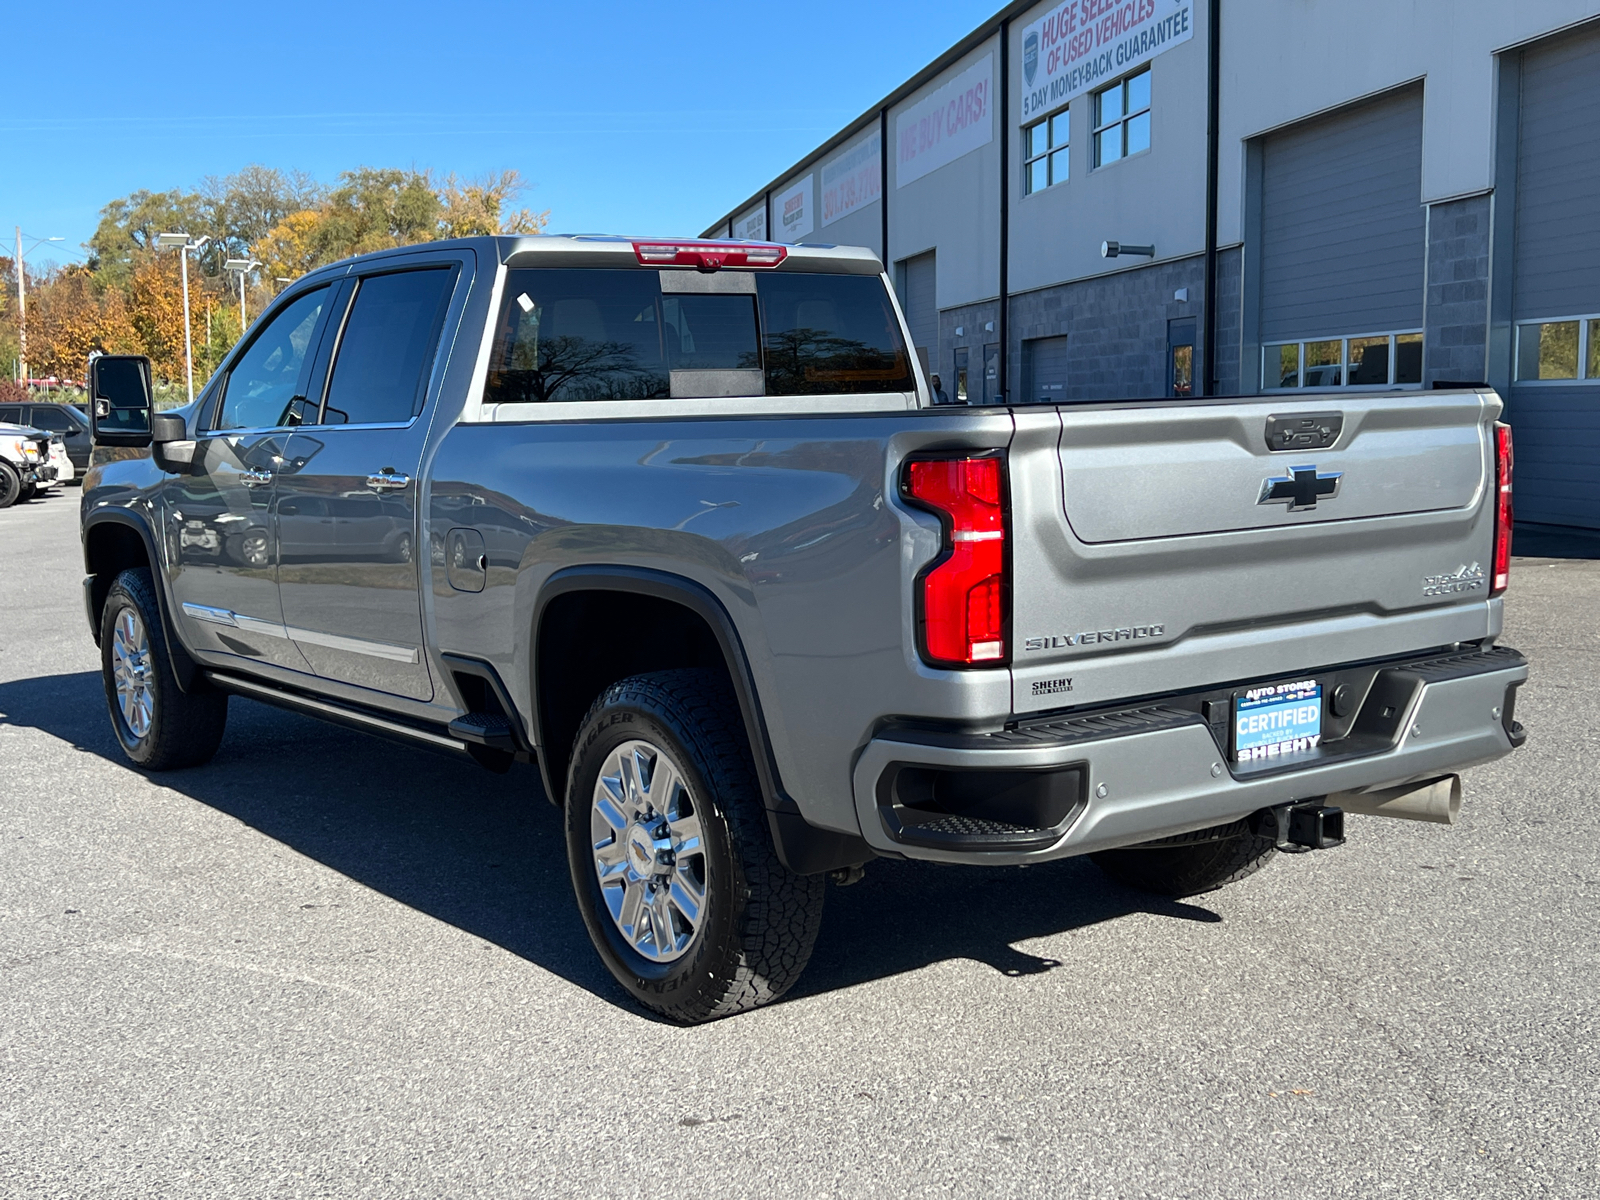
(183, 244)
(22, 302)
(241, 267)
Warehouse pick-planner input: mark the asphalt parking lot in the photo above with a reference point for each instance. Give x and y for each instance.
(325, 965)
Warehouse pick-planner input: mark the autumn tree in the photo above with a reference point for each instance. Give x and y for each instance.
(155, 302)
(129, 297)
(69, 317)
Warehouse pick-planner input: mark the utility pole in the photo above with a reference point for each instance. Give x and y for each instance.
(22, 314)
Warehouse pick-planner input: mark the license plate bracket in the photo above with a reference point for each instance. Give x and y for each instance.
(1277, 721)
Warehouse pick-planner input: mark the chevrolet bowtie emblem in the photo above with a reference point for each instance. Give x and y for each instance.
(1301, 488)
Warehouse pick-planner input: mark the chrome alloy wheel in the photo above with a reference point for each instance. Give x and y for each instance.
(131, 669)
(645, 830)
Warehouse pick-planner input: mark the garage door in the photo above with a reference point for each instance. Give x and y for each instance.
(1343, 233)
(1554, 405)
(919, 295)
(1044, 369)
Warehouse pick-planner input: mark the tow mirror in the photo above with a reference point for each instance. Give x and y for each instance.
(170, 444)
(120, 399)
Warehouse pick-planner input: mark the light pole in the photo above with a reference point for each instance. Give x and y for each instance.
(241, 267)
(183, 243)
(22, 302)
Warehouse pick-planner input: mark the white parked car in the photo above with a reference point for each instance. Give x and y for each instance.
(25, 466)
(65, 471)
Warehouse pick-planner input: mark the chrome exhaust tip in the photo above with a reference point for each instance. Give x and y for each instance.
(1436, 800)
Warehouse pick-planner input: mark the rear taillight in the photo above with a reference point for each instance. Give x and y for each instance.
(962, 597)
(709, 256)
(1502, 508)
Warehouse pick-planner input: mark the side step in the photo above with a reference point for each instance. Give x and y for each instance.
(485, 729)
(341, 714)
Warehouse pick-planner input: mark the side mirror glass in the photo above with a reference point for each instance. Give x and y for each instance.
(120, 399)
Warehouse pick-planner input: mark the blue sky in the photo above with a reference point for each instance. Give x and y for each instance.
(625, 117)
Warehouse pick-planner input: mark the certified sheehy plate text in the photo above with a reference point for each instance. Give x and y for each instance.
(1277, 720)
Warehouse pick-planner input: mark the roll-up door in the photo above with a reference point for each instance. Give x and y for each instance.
(1044, 369)
(1554, 406)
(919, 295)
(1342, 223)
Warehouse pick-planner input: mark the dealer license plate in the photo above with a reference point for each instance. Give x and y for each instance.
(1282, 719)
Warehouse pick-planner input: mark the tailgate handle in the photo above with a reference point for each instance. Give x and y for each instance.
(1303, 431)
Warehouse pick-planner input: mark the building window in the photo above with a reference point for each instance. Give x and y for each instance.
(1122, 119)
(1565, 350)
(1044, 153)
(1371, 360)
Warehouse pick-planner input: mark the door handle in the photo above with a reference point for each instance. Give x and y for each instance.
(255, 478)
(387, 481)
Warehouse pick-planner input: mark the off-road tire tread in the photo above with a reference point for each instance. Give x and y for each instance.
(188, 726)
(782, 911)
(1189, 864)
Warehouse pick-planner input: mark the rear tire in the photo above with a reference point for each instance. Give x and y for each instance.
(675, 873)
(1190, 863)
(161, 727)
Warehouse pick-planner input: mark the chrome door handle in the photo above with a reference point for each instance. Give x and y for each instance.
(387, 481)
(254, 478)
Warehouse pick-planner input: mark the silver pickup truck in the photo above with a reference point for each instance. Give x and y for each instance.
(677, 522)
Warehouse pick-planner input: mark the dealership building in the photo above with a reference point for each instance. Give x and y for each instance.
(1100, 200)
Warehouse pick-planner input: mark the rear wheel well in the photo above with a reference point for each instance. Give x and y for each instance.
(588, 640)
(109, 549)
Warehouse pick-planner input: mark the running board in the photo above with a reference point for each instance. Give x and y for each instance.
(328, 710)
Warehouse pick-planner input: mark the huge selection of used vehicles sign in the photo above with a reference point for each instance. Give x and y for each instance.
(1084, 43)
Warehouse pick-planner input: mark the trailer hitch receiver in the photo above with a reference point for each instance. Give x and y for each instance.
(1297, 828)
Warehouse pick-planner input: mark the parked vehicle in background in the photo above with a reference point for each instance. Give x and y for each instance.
(25, 465)
(65, 472)
(679, 523)
(64, 419)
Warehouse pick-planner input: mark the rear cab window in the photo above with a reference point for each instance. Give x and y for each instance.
(588, 334)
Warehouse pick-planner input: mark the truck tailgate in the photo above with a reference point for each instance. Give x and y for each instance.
(1168, 546)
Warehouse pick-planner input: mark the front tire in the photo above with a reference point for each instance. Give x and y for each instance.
(1191, 863)
(675, 874)
(160, 726)
(10, 485)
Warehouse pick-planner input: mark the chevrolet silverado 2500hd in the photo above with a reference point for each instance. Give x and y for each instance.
(677, 522)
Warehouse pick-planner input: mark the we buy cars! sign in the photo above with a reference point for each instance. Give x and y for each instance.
(1084, 43)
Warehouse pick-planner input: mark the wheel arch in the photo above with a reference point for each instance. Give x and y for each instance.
(646, 620)
(116, 540)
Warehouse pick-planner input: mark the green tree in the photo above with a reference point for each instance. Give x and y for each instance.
(126, 236)
(241, 209)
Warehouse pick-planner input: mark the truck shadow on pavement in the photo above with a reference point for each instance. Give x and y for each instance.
(485, 852)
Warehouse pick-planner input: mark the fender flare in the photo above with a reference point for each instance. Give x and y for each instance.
(803, 847)
(184, 667)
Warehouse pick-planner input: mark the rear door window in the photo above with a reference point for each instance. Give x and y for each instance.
(11, 414)
(579, 335)
(385, 352)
